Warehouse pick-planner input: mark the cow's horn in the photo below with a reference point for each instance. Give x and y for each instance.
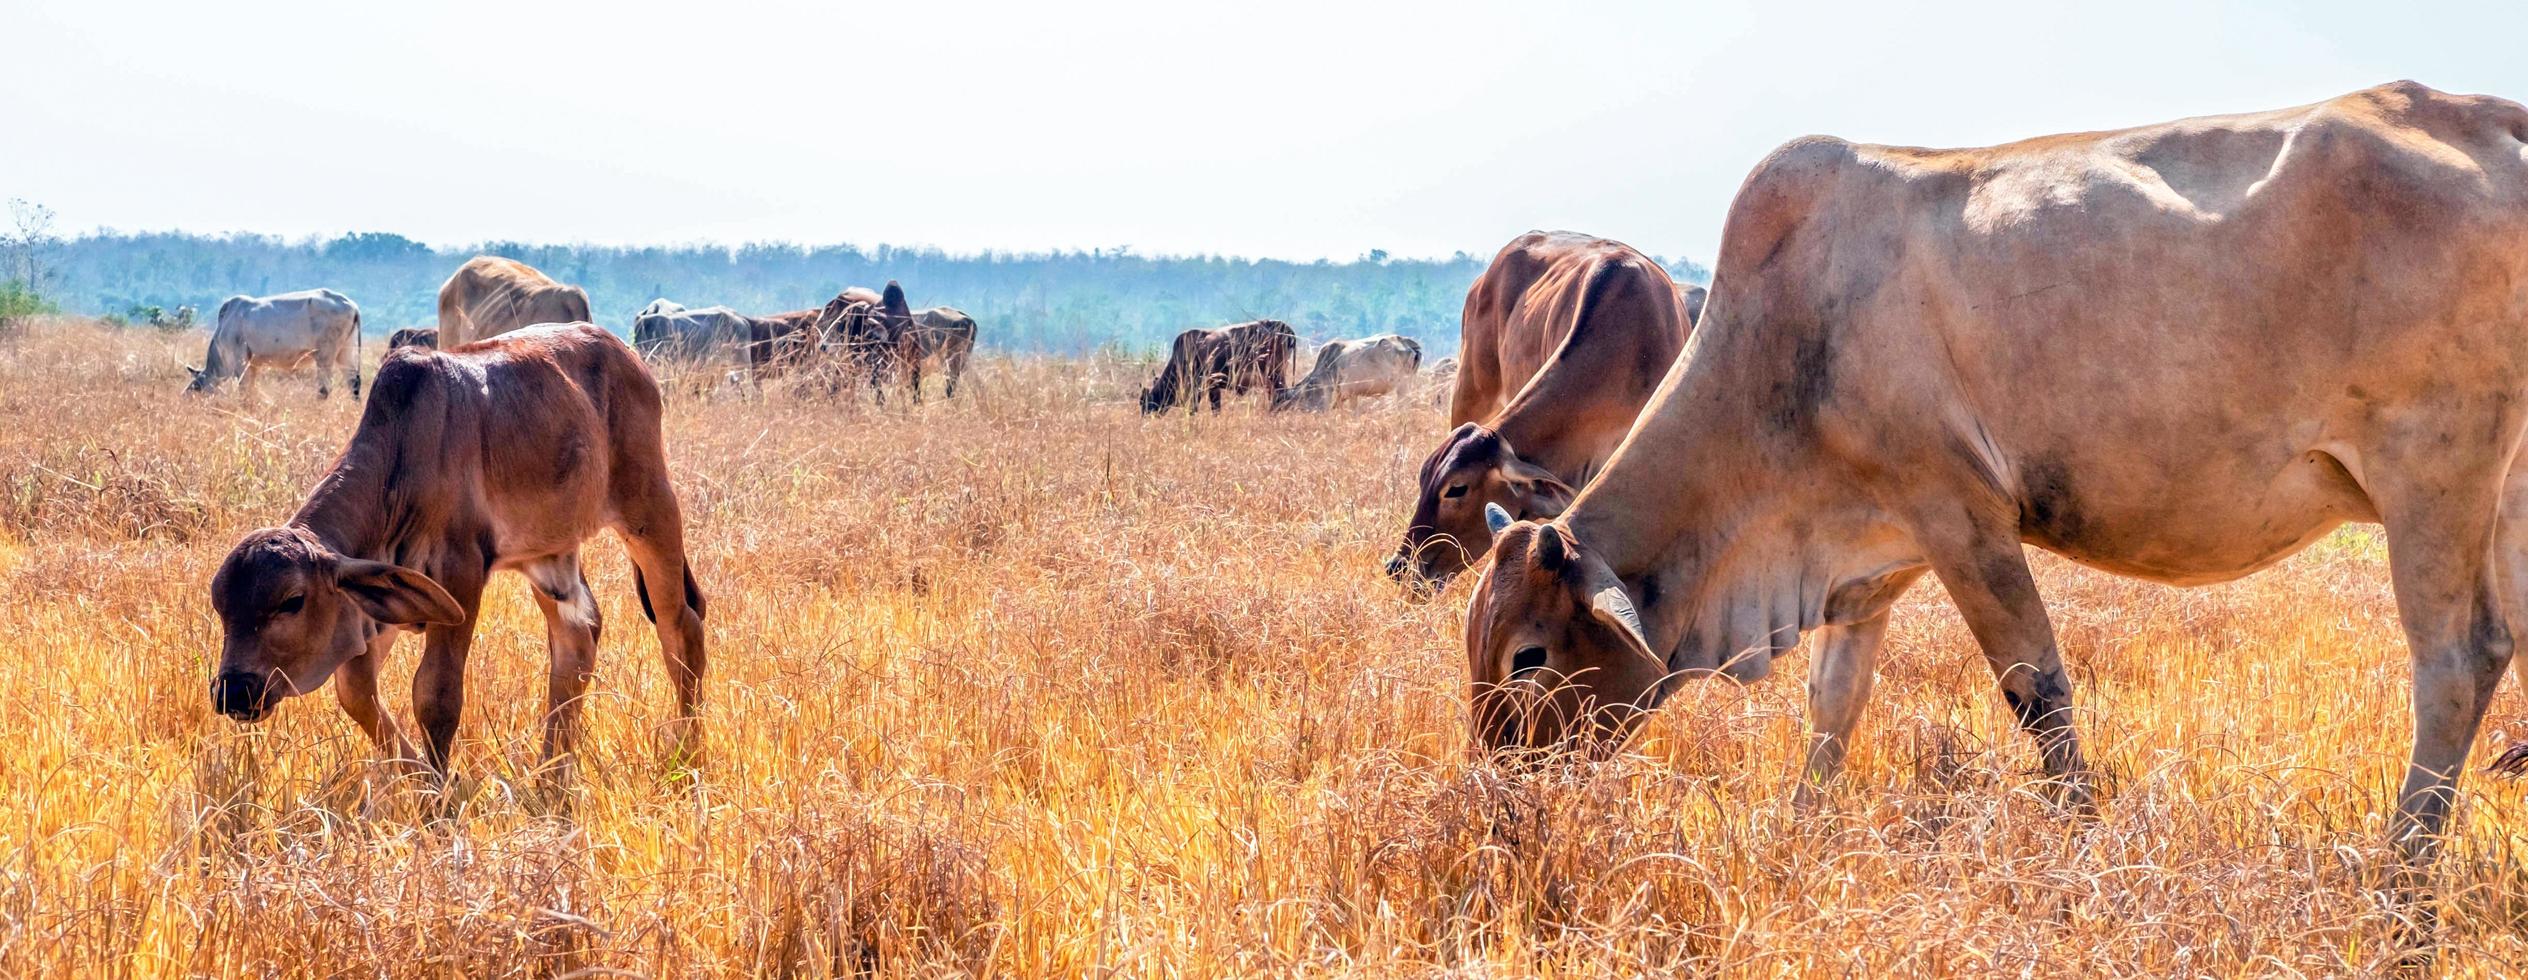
(1495, 518)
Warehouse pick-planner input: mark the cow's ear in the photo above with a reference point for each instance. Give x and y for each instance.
(1613, 608)
(194, 371)
(396, 595)
(1542, 496)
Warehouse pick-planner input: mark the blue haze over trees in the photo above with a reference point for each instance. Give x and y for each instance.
(1062, 302)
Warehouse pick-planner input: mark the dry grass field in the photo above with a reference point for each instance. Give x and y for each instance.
(1026, 684)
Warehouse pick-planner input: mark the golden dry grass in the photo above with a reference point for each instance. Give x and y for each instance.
(1029, 685)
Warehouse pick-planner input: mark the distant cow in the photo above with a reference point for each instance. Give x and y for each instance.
(1350, 369)
(668, 330)
(1205, 361)
(506, 455)
(1566, 336)
(1440, 380)
(783, 340)
(426, 338)
(877, 337)
(942, 334)
(491, 296)
(283, 331)
(1691, 297)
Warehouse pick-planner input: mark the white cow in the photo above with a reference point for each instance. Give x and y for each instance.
(1350, 369)
(283, 331)
(667, 330)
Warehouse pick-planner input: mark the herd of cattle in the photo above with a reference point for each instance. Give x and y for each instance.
(2179, 352)
(861, 331)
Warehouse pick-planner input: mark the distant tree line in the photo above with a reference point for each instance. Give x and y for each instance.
(1059, 302)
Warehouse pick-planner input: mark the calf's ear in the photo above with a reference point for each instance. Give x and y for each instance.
(396, 595)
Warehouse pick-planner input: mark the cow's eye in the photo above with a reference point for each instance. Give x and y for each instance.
(1528, 660)
(291, 605)
(1455, 492)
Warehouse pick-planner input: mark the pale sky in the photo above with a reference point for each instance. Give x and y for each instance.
(1292, 129)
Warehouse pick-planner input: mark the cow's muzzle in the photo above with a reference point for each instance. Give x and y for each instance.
(241, 695)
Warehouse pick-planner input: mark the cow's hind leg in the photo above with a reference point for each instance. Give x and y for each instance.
(956, 368)
(653, 530)
(1986, 573)
(2510, 562)
(572, 626)
(2448, 596)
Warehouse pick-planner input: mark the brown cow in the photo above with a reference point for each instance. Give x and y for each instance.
(1565, 336)
(426, 338)
(856, 328)
(490, 296)
(781, 341)
(1203, 361)
(504, 455)
(2179, 352)
(1690, 298)
(944, 334)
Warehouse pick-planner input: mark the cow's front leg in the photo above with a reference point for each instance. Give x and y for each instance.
(439, 684)
(1987, 575)
(355, 685)
(1840, 676)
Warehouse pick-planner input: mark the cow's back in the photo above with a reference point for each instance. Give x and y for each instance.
(2121, 323)
(1520, 313)
(536, 420)
(489, 295)
(294, 321)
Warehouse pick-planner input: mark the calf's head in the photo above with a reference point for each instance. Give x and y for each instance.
(291, 610)
(1554, 649)
(1473, 469)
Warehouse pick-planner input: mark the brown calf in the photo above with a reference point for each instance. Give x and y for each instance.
(504, 454)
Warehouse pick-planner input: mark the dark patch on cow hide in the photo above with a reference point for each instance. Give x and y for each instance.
(1798, 399)
(2050, 695)
(2005, 576)
(2048, 508)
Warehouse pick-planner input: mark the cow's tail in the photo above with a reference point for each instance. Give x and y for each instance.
(359, 349)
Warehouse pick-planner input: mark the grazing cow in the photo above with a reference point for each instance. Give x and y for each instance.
(426, 338)
(503, 455)
(943, 334)
(879, 337)
(1350, 369)
(783, 340)
(657, 307)
(283, 331)
(2179, 352)
(689, 333)
(1203, 361)
(1565, 337)
(491, 296)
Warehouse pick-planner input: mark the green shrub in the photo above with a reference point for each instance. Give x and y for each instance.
(16, 300)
